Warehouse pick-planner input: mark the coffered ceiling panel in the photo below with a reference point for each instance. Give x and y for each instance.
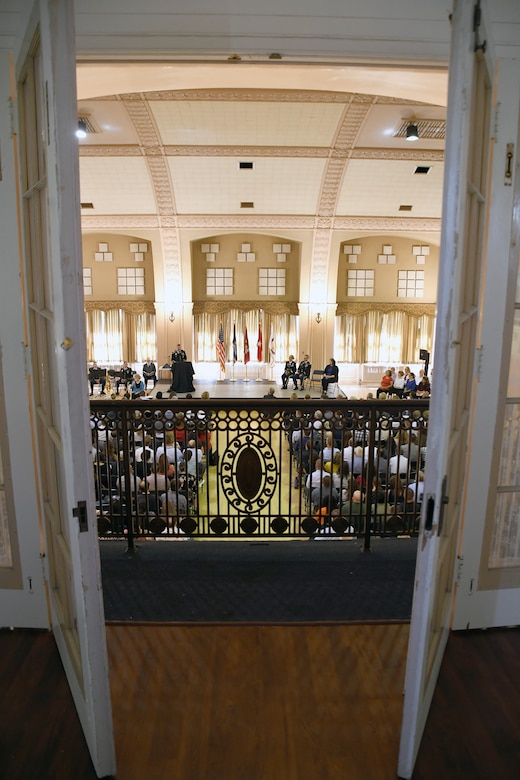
(211, 185)
(208, 122)
(116, 185)
(380, 187)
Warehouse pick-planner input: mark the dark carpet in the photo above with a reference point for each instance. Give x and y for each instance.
(269, 582)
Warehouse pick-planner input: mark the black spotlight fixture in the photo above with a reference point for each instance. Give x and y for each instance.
(412, 133)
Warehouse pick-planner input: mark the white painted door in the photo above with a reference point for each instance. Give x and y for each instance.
(54, 302)
(488, 590)
(459, 301)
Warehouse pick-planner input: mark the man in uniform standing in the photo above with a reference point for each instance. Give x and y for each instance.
(179, 355)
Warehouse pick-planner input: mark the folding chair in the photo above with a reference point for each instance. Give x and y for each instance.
(316, 377)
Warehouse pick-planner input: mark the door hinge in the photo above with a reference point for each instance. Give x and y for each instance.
(13, 117)
(478, 363)
(460, 566)
(508, 175)
(80, 512)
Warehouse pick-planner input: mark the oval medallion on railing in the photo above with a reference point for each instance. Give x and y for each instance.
(249, 473)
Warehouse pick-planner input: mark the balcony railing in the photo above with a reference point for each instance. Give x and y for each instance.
(251, 472)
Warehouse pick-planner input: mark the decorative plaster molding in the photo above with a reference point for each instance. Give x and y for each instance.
(120, 222)
(414, 309)
(142, 121)
(172, 262)
(213, 224)
(259, 96)
(104, 150)
(270, 307)
(247, 151)
(132, 307)
(248, 222)
(162, 185)
(267, 95)
(389, 224)
(434, 155)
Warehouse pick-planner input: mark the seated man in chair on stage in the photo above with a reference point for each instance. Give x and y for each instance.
(149, 372)
(289, 372)
(126, 376)
(97, 375)
(304, 371)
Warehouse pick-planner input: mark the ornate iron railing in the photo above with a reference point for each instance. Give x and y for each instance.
(251, 472)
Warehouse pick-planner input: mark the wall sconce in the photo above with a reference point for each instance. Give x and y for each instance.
(172, 317)
(318, 318)
(81, 131)
(412, 133)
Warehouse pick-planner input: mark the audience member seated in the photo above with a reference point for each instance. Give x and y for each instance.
(410, 386)
(137, 388)
(325, 494)
(386, 384)
(424, 387)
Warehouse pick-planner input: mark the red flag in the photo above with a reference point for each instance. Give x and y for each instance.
(246, 348)
(221, 349)
(259, 345)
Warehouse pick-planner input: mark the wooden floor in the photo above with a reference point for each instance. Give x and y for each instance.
(264, 703)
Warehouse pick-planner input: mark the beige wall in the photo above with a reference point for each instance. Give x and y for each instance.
(386, 275)
(104, 274)
(245, 275)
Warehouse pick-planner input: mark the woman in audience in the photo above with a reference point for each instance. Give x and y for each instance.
(386, 383)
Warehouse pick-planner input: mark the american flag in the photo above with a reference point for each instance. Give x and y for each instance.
(246, 348)
(234, 343)
(221, 349)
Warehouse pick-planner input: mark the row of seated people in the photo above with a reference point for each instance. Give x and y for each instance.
(126, 377)
(330, 487)
(404, 384)
(396, 451)
(162, 488)
(152, 459)
(396, 508)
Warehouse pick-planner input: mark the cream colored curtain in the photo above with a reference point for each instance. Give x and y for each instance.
(116, 335)
(206, 327)
(392, 338)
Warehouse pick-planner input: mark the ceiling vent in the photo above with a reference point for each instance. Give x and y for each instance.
(246, 166)
(405, 208)
(90, 125)
(423, 169)
(247, 204)
(87, 205)
(432, 129)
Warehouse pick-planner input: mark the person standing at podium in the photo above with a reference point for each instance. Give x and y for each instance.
(179, 355)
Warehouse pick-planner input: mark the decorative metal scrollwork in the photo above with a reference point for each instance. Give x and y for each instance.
(249, 472)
